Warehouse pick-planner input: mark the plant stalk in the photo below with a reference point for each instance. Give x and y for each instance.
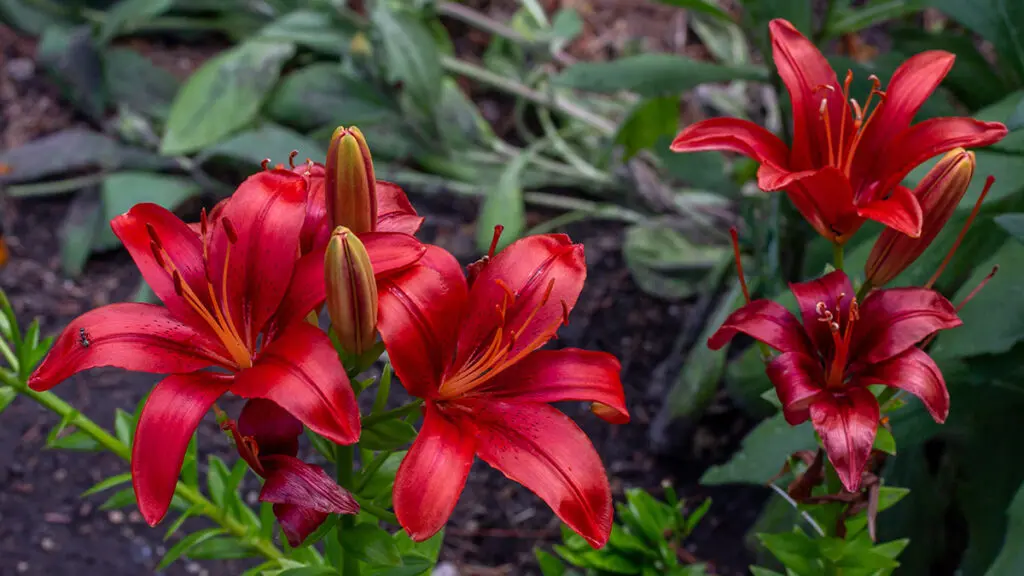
(837, 256)
(345, 458)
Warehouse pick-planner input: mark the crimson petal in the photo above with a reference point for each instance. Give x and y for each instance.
(764, 320)
(292, 481)
(433, 473)
(182, 249)
(137, 337)
(893, 320)
(559, 375)
(394, 212)
(834, 293)
(823, 197)
(166, 424)
(799, 381)
(520, 276)
(733, 135)
(913, 371)
(266, 214)
(298, 522)
(391, 252)
(301, 373)
(272, 427)
(306, 291)
(847, 424)
(419, 312)
(900, 211)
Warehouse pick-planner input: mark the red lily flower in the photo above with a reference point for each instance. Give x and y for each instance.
(303, 495)
(472, 354)
(222, 289)
(394, 211)
(847, 160)
(842, 347)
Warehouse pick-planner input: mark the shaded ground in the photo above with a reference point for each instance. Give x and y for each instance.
(45, 528)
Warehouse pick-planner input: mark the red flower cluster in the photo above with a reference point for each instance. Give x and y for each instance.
(847, 160)
(238, 289)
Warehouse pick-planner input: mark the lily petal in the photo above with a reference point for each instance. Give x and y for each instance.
(419, 313)
(893, 320)
(272, 427)
(316, 229)
(913, 371)
(834, 293)
(266, 213)
(292, 481)
(539, 279)
(542, 449)
(804, 71)
(391, 252)
(394, 211)
(306, 291)
(733, 135)
(799, 382)
(911, 85)
(822, 196)
(763, 320)
(298, 522)
(137, 337)
(931, 138)
(847, 425)
(180, 247)
(166, 424)
(901, 212)
(301, 373)
(433, 474)
(558, 375)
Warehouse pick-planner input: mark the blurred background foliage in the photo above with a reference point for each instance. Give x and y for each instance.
(580, 140)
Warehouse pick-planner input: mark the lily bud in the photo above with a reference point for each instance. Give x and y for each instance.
(939, 193)
(351, 185)
(351, 291)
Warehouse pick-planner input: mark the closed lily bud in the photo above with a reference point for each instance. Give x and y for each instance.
(939, 193)
(351, 291)
(351, 185)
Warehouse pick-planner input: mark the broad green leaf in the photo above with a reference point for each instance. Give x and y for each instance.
(384, 477)
(765, 449)
(705, 6)
(313, 29)
(74, 150)
(848, 19)
(411, 55)
(127, 14)
(1010, 560)
(884, 441)
(1000, 22)
(1016, 120)
(797, 12)
(994, 321)
(124, 426)
(77, 440)
(609, 562)
(459, 121)
(1012, 223)
(268, 141)
(324, 94)
(664, 262)
(412, 565)
(758, 571)
(648, 123)
(108, 484)
(122, 190)
(80, 230)
(795, 550)
(372, 544)
(133, 80)
(183, 546)
(566, 25)
(550, 565)
(26, 16)
(224, 95)
(72, 60)
(387, 435)
(702, 170)
(653, 74)
(504, 206)
(309, 571)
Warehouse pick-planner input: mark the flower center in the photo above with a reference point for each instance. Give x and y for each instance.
(836, 369)
(495, 356)
(218, 312)
(840, 153)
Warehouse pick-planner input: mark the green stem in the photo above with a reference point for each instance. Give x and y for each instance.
(837, 255)
(865, 288)
(345, 457)
(370, 508)
(240, 531)
(399, 412)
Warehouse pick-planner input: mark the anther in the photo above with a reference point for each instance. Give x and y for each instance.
(152, 234)
(203, 222)
(565, 313)
(265, 164)
(291, 158)
(179, 285)
(823, 108)
(858, 114)
(157, 254)
(229, 230)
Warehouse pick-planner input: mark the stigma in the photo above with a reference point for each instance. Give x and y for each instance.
(841, 150)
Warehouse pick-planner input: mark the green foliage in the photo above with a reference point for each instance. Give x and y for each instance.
(647, 539)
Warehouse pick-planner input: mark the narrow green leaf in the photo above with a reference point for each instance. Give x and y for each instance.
(704, 6)
(372, 544)
(77, 440)
(220, 548)
(884, 441)
(387, 435)
(224, 95)
(504, 206)
(108, 484)
(124, 426)
(217, 475)
(550, 565)
(119, 499)
(187, 542)
(129, 13)
(176, 525)
(7, 395)
(763, 451)
(1013, 224)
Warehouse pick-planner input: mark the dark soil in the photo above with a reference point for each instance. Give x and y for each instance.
(46, 528)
